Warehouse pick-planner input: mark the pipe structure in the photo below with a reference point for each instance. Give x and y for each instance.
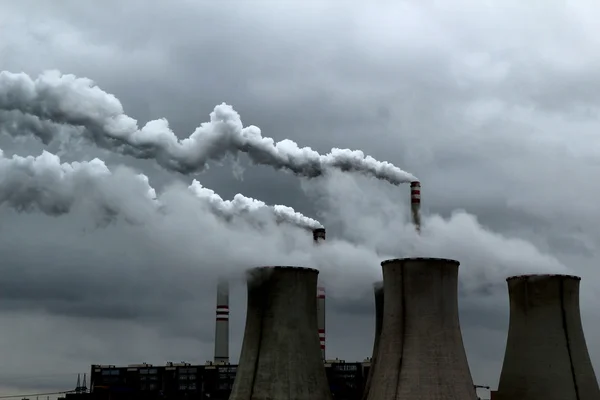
(415, 204)
(321, 320)
(222, 323)
(378, 292)
(319, 235)
(280, 356)
(421, 355)
(546, 354)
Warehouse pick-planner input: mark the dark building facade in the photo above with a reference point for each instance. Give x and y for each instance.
(186, 381)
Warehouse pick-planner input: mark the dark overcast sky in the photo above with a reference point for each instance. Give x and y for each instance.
(494, 107)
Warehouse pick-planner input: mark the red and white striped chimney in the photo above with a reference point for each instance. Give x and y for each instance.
(319, 235)
(415, 204)
(222, 323)
(321, 318)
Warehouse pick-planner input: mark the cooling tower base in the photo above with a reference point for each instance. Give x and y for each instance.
(421, 354)
(281, 355)
(546, 354)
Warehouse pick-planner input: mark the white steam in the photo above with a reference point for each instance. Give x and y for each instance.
(242, 205)
(46, 184)
(380, 222)
(40, 106)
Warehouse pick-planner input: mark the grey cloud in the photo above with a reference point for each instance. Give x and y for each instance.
(493, 112)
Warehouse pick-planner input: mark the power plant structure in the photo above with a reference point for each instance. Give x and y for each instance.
(280, 351)
(415, 204)
(420, 354)
(418, 351)
(378, 292)
(546, 354)
(320, 235)
(222, 323)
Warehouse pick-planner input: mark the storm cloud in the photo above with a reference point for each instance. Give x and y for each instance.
(492, 106)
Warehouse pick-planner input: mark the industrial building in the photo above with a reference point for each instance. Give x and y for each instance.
(211, 381)
(418, 351)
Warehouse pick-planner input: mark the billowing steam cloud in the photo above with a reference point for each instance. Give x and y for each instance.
(54, 188)
(242, 205)
(380, 222)
(40, 106)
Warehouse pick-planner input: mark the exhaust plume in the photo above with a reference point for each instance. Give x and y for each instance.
(241, 205)
(40, 106)
(54, 188)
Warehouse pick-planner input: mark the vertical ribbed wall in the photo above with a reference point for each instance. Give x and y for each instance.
(281, 357)
(378, 291)
(421, 354)
(546, 355)
(222, 323)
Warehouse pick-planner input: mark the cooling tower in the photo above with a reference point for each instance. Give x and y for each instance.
(222, 323)
(378, 291)
(546, 354)
(415, 204)
(421, 354)
(280, 356)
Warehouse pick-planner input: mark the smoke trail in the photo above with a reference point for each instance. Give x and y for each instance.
(54, 188)
(242, 205)
(39, 106)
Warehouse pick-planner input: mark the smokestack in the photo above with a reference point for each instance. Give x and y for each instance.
(319, 235)
(421, 353)
(222, 323)
(546, 354)
(378, 291)
(321, 318)
(415, 204)
(280, 356)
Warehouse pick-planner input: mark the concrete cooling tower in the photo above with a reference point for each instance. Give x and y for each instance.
(281, 357)
(378, 291)
(546, 354)
(421, 354)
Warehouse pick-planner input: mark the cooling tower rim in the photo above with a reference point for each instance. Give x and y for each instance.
(529, 276)
(435, 259)
(282, 267)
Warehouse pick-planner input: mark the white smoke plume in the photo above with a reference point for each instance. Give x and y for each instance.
(242, 205)
(382, 223)
(40, 106)
(46, 184)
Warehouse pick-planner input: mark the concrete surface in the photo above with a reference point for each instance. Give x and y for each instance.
(546, 355)
(281, 356)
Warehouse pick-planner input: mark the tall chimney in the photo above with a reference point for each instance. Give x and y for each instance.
(321, 318)
(415, 204)
(280, 356)
(319, 235)
(546, 354)
(378, 291)
(421, 353)
(222, 323)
